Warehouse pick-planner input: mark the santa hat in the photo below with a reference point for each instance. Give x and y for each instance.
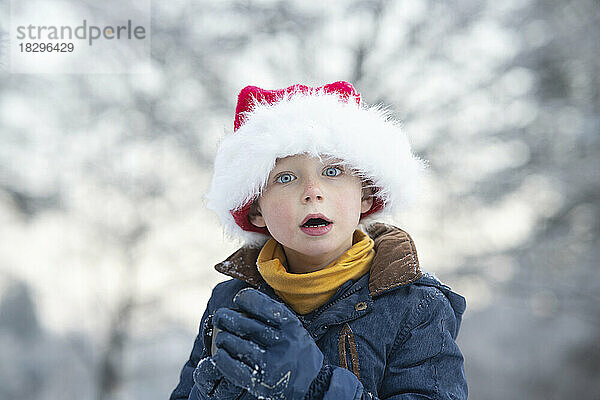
(328, 120)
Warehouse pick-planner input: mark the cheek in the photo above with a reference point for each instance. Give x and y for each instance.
(278, 214)
(348, 204)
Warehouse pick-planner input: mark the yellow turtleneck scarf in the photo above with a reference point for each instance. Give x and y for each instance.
(306, 292)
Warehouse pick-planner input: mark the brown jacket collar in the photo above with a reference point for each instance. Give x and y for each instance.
(395, 262)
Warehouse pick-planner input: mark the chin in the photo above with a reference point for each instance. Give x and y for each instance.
(318, 247)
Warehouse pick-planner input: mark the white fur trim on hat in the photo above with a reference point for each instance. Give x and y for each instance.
(365, 137)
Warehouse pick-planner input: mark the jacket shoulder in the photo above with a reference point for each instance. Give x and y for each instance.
(412, 302)
(428, 280)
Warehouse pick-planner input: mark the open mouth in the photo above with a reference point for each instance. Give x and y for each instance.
(315, 223)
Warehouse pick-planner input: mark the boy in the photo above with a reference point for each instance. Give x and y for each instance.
(317, 308)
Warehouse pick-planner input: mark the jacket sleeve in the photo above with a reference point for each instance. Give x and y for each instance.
(425, 362)
(199, 351)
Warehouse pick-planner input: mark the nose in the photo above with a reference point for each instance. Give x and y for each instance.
(312, 191)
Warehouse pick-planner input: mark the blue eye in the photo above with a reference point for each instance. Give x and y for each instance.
(332, 168)
(283, 180)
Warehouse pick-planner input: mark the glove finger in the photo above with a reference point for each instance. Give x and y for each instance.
(234, 370)
(212, 384)
(263, 307)
(245, 327)
(246, 351)
(206, 375)
(227, 391)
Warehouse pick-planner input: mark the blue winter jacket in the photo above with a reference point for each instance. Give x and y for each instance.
(394, 328)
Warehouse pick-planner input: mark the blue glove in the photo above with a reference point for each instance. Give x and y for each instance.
(211, 384)
(268, 352)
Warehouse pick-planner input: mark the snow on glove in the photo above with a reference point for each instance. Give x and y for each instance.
(268, 352)
(211, 384)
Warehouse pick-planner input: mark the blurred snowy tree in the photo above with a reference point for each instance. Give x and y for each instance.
(102, 176)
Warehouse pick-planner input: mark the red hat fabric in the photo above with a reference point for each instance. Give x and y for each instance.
(250, 94)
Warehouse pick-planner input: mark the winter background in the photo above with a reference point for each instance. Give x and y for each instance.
(107, 252)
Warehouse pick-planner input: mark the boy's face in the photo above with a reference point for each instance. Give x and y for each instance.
(300, 185)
